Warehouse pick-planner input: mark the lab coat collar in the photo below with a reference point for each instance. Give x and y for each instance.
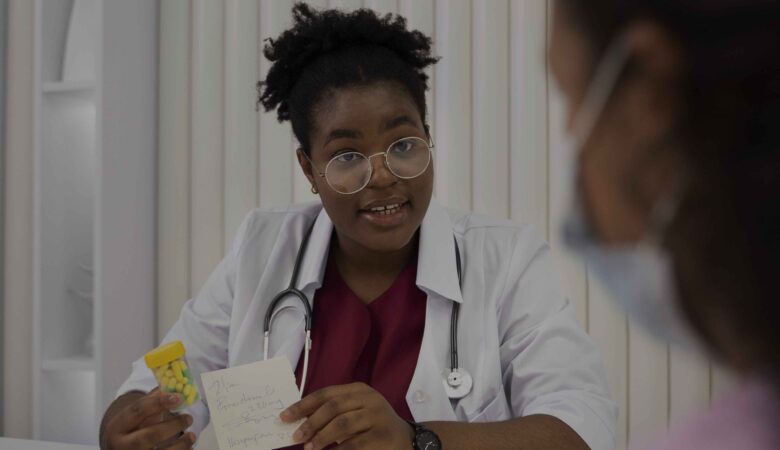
(436, 267)
(316, 257)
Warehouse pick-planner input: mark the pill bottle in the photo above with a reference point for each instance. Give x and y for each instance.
(173, 375)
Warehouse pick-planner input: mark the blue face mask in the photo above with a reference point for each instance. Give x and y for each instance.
(639, 276)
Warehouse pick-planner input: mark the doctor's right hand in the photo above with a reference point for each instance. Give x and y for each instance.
(138, 421)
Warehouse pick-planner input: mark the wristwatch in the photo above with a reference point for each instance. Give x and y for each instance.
(424, 439)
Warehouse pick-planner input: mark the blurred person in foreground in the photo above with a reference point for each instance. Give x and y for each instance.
(674, 120)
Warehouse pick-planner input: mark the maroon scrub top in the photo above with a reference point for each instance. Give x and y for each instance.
(376, 343)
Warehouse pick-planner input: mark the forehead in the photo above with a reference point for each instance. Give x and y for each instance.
(363, 107)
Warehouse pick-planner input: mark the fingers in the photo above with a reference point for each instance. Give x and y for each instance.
(146, 407)
(157, 418)
(312, 402)
(340, 429)
(360, 442)
(151, 437)
(184, 442)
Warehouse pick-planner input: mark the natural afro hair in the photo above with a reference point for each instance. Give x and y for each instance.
(331, 49)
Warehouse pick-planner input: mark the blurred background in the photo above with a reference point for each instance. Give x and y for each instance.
(132, 149)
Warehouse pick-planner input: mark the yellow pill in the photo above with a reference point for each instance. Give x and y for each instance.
(182, 366)
(179, 387)
(177, 372)
(160, 372)
(187, 389)
(191, 398)
(164, 381)
(172, 383)
(168, 373)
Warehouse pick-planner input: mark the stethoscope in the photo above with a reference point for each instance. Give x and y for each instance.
(457, 383)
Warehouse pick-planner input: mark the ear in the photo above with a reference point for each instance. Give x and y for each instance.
(306, 166)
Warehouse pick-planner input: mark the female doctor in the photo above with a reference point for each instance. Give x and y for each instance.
(430, 328)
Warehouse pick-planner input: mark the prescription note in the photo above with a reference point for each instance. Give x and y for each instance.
(245, 403)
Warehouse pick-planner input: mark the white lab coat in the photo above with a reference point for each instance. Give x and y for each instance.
(518, 334)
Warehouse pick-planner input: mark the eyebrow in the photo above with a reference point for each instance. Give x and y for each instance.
(345, 133)
(340, 133)
(398, 121)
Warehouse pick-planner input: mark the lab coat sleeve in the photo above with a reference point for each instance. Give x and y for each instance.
(549, 364)
(203, 327)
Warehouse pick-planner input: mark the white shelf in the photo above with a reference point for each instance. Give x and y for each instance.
(74, 363)
(68, 87)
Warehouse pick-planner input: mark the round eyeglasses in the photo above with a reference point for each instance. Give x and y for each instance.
(350, 172)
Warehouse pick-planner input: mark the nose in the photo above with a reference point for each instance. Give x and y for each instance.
(381, 177)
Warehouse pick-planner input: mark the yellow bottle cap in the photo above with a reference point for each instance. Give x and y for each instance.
(164, 354)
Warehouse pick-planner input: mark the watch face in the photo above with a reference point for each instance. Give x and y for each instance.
(427, 440)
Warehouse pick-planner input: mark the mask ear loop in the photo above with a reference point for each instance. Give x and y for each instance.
(604, 80)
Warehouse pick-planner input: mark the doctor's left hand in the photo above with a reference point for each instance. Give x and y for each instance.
(355, 416)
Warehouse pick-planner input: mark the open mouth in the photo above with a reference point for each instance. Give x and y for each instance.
(385, 216)
(386, 210)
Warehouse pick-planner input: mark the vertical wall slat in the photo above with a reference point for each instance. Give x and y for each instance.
(275, 145)
(207, 169)
(609, 330)
(490, 151)
(347, 5)
(689, 384)
(528, 127)
(648, 384)
(420, 15)
(382, 6)
(453, 103)
(241, 67)
(173, 211)
(572, 269)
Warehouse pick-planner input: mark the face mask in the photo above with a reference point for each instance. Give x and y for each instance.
(640, 276)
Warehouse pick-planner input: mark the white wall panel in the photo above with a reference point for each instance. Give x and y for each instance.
(689, 384)
(609, 329)
(490, 119)
(421, 15)
(382, 6)
(275, 169)
(528, 113)
(173, 207)
(347, 5)
(452, 127)
(648, 385)
(241, 127)
(495, 117)
(207, 145)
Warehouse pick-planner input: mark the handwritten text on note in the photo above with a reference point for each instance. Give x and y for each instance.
(245, 403)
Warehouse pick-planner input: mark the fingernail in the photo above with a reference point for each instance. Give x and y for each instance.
(285, 415)
(192, 437)
(298, 435)
(172, 399)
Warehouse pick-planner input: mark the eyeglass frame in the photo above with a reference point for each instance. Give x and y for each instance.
(324, 174)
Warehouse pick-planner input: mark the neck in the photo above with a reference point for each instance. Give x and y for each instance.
(353, 258)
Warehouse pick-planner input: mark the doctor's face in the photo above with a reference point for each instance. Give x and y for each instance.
(368, 120)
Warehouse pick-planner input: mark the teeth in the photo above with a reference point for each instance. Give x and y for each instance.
(386, 210)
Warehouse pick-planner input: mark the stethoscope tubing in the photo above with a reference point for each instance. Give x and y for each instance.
(309, 314)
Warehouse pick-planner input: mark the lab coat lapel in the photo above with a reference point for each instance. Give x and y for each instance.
(288, 326)
(437, 276)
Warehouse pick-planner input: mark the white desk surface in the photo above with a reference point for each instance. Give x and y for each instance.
(19, 444)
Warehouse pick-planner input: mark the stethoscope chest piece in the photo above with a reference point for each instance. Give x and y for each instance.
(458, 384)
